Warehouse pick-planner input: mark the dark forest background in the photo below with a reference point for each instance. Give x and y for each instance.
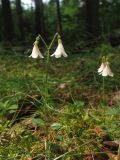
(78, 21)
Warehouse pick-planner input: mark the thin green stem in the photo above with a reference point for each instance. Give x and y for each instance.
(43, 41)
(103, 89)
(56, 34)
(104, 96)
(46, 77)
(48, 47)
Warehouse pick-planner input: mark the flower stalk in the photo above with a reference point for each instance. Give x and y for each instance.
(105, 71)
(48, 47)
(58, 53)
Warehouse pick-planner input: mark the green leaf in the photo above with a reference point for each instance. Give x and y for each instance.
(12, 111)
(58, 137)
(13, 107)
(55, 147)
(79, 103)
(56, 126)
(39, 122)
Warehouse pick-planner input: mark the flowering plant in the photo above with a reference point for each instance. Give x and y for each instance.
(57, 54)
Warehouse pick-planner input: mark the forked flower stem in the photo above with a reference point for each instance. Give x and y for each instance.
(43, 41)
(48, 47)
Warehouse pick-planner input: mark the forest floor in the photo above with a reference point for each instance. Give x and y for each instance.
(81, 121)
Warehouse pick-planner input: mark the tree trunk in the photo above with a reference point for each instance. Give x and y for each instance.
(19, 19)
(59, 19)
(39, 17)
(8, 31)
(92, 18)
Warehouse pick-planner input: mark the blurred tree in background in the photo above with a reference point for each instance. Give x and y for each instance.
(7, 21)
(39, 18)
(92, 18)
(78, 21)
(19, 19)
(59, 18)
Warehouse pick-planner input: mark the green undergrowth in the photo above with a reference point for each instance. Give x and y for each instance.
(75, 122)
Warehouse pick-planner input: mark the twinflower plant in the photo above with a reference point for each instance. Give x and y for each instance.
(104, 70)
(58, 53)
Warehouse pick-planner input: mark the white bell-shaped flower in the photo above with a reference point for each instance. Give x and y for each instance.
(36, 52)
(59, 51)
(107, 71)
(103, 65)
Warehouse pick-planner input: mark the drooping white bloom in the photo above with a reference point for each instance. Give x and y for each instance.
(36, 52)
(107, 71)
(59, 51)
(103, 65)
